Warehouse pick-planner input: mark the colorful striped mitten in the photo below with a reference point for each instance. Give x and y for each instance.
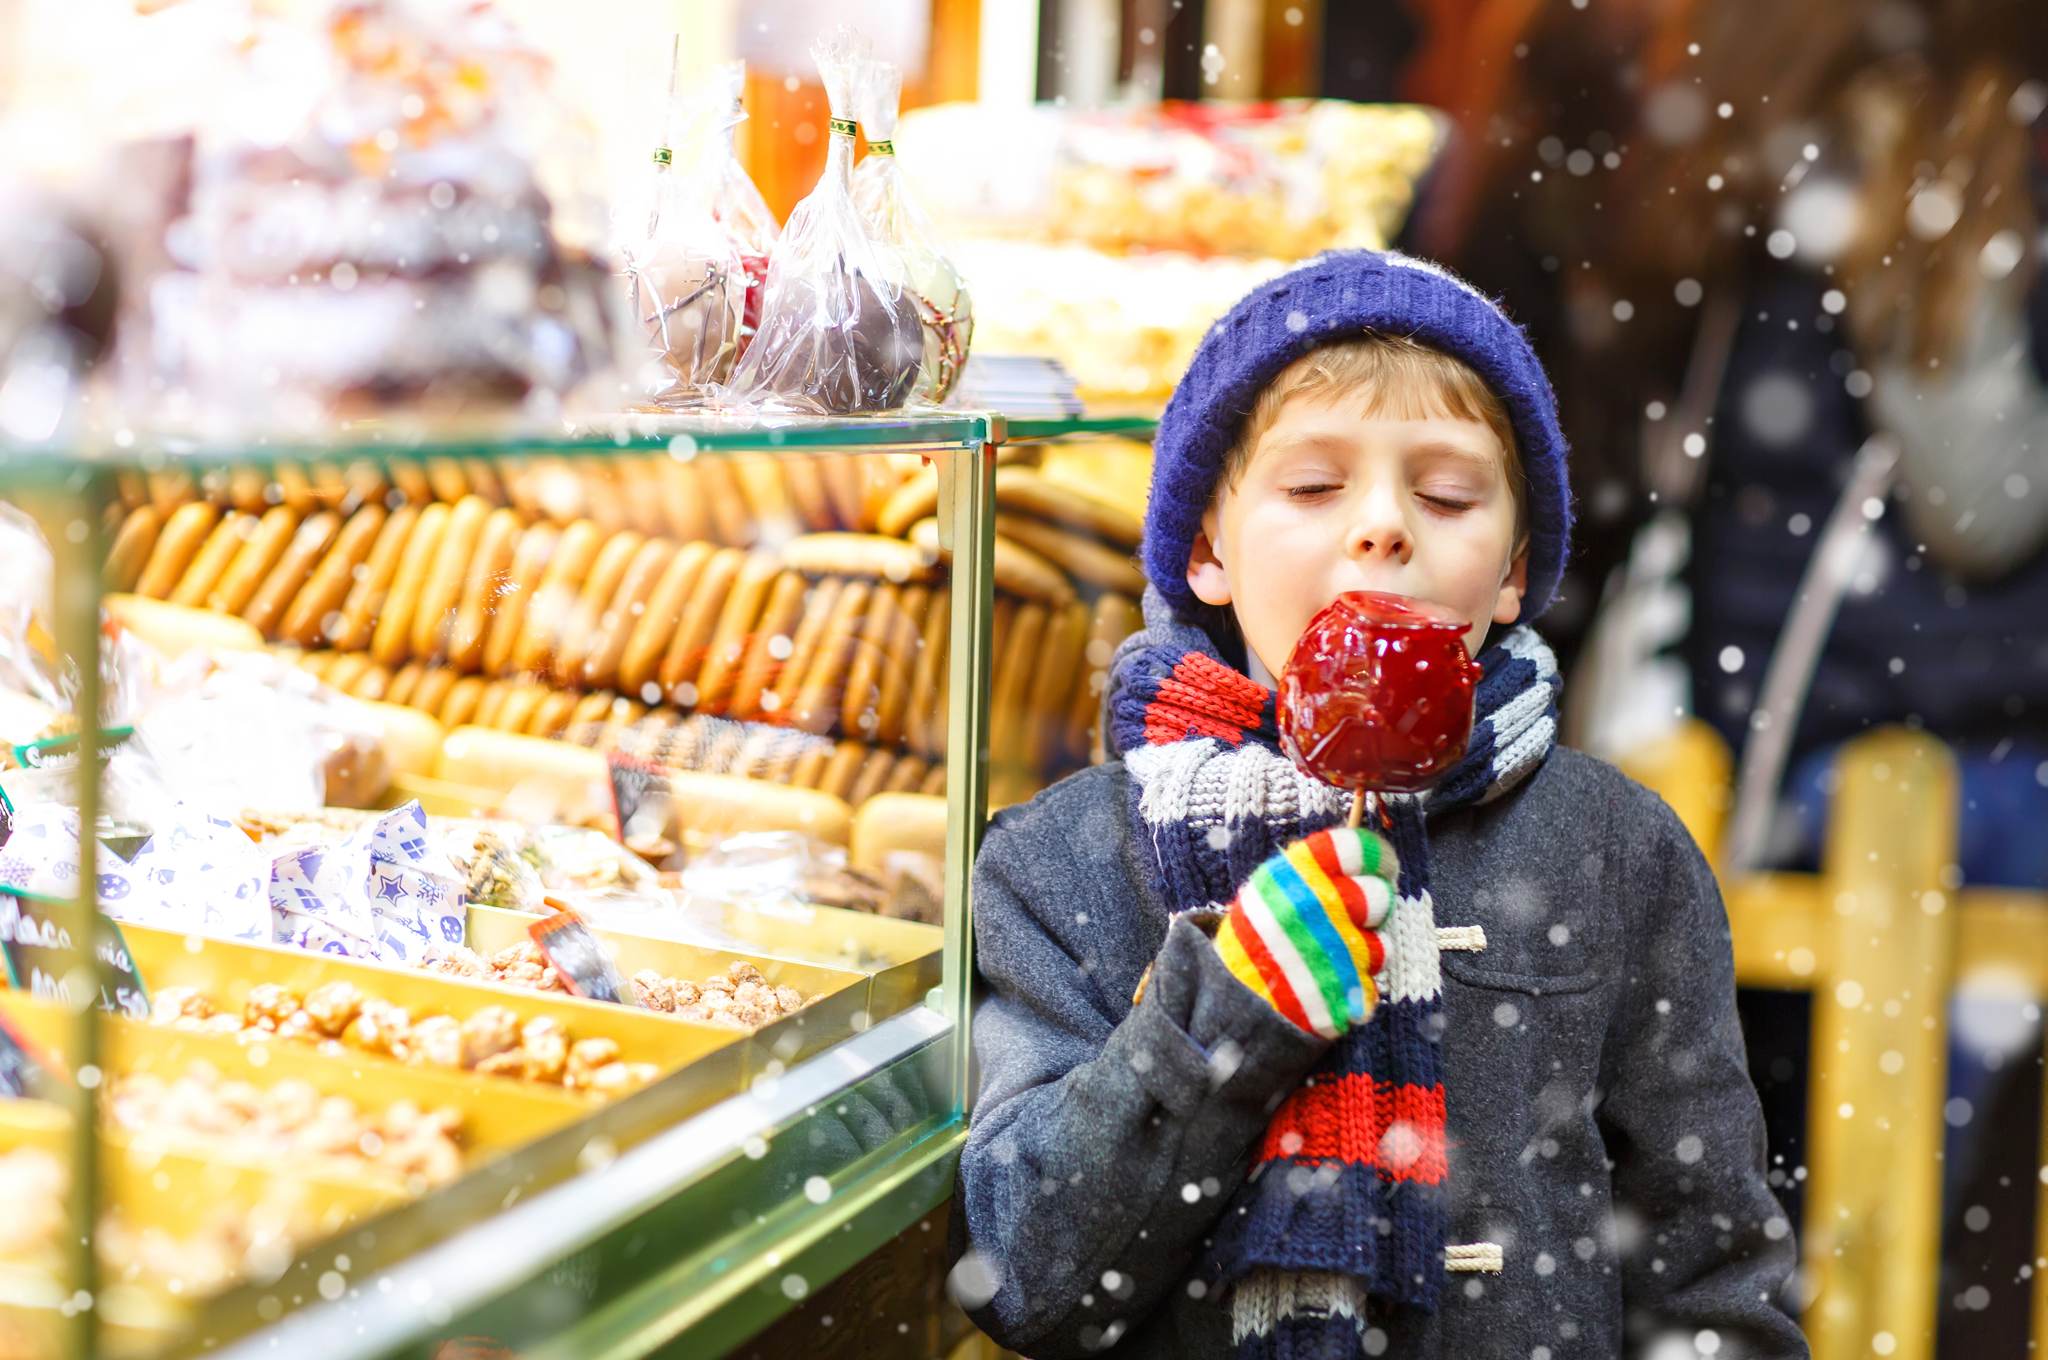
(1304, 932)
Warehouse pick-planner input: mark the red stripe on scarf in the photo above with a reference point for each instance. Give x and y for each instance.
(1204, 698)
(1397, 1130)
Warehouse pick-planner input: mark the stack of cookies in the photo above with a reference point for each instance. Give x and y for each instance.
(785, 618)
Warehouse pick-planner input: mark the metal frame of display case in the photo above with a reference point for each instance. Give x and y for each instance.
(532, 1250)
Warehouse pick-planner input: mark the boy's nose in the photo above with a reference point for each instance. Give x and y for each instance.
(1382, 538)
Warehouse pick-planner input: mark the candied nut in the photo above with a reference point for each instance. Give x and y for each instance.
(436, 1041)
(331, 1006)
(513, 1062)
(180, 1003)
(298, 1025)
(789, 998)
(585, 1057)
(657, 993)
(270, 1002)
(488, 1033)
(379, 1027)
(547, 1047)
(615, 1077)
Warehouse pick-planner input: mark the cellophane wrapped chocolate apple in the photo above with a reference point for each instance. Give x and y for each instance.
(735, 199)
(944, 308)
(686, 285)
(380, 237)
(839, 333)
(1378, 694)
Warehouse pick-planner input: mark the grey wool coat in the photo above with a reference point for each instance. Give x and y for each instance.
(1602, 1125)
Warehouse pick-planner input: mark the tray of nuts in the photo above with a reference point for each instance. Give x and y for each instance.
(791, 1009)
(485, 1038)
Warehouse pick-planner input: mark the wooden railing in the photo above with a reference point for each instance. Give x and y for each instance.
(1880, 936)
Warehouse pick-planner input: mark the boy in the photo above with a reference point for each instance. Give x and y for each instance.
(1254, 1084)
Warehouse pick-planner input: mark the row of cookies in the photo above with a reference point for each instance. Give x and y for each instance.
(851, 770)
(835, 632)
(737, 501)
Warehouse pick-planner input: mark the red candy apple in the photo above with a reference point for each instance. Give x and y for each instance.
(1378, 693)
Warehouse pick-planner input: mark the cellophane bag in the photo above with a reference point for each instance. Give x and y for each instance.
(686, 283)
(944, 308)
(735, 199)
(839, 333)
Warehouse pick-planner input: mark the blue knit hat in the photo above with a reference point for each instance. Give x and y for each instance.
(1334, 297)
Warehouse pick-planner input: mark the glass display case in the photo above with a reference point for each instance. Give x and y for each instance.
(525, 880)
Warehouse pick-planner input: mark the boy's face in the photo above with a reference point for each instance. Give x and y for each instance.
(1335, 497)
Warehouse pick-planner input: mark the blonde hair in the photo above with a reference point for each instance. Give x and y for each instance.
(1400, 378)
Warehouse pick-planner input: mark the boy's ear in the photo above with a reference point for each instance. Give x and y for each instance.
(1507, 606)
(1206, 576)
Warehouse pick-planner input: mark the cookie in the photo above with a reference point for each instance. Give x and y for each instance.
(842, 768)
(1080, 557)
(431, 694)
(446, 479)
(186, 528)
(770, 646)
(433, 620)
(766, 493)
(915, 499)
(873, 773)
(1029, 492)
(483, 585)
(841, 474)
(359, 610)
(648, 641)
(1016, 668)
(682, 500)
(622, 614)
(464, 696)
(1115, 618)
(924, 719)
(1018, 570)
(906, 641)
(579, 633)
(779, 694)
(391, 639)
(267, 542)
(731, 524)
(316, 610)
(554, 599)
(736, 626)
(213, 559)
(819, 693)
(552, 714)
(292, 572)
(530, 558)
(133, 543)
(1059, 668)
(870, 555)
(906, 775)
(860, 699)
(404, 681)
(806, 483)
(683, 661)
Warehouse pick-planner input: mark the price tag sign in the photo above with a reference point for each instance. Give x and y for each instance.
(641, 804)
(34, 951)
(24, 1071)
(573, 950)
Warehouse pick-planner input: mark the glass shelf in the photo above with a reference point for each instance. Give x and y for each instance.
(684, 436)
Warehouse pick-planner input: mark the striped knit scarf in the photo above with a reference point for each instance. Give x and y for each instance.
(1346, 1199)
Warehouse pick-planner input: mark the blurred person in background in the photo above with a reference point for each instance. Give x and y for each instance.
(1749, 236)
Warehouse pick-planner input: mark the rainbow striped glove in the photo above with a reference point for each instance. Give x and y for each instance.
(1304, 932)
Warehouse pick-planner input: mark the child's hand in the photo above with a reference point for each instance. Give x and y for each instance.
(1304, 932)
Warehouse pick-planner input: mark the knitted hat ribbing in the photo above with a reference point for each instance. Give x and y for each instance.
(1333, 297)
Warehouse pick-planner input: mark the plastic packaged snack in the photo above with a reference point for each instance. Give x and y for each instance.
(839, 333)
(944, 308)
(686, 285)
(735, 200)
